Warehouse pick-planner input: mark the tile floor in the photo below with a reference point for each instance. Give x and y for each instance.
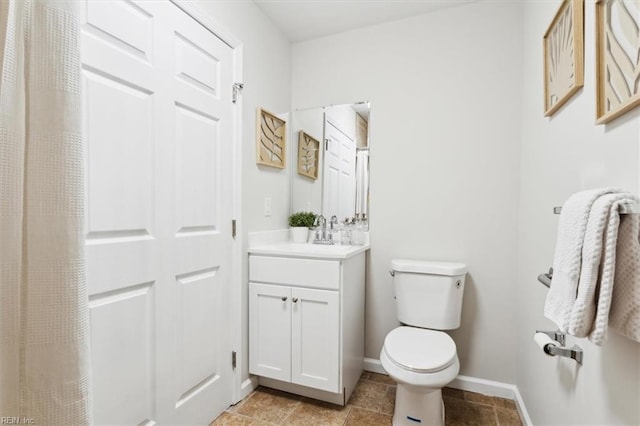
(370, 404)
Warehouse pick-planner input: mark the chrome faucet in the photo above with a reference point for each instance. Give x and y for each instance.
(321, 235)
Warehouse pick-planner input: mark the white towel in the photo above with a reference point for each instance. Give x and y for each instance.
(624, 316)
(567, 260)
(591, 306)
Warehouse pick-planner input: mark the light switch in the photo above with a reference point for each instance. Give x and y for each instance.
(267, 206)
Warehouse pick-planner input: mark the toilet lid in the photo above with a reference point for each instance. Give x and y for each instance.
(420, 350)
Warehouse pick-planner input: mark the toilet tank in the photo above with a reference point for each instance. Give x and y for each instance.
(428, 294)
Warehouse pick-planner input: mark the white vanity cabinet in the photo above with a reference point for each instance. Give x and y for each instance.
(306, 323)
(296, 335)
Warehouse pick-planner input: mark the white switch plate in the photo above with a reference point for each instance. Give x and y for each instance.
(267, 206)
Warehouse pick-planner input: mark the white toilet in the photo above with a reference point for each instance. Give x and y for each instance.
(419, 357)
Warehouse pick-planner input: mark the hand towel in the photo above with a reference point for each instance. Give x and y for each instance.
(567, 260)
(624, 316)
(597, 270)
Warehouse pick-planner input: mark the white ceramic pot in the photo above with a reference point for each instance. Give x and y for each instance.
(299, 234)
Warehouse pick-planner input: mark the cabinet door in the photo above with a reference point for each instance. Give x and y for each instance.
(315, 339)
(270, 331)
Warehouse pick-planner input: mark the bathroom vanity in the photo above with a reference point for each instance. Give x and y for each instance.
(306, 318)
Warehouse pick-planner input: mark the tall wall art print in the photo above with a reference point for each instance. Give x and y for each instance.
(563, 55)
(271, 140)
(617, 58)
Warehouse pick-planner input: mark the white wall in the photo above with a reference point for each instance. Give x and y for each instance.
(267, 78)
(444, 131)
(562, 155)
(267, 82)
(461, 155)
(306, 193)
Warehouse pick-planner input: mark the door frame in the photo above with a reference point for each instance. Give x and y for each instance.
(213, 26)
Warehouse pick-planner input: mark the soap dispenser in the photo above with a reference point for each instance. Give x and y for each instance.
(357, 239)
(345, 233)
(334, 232)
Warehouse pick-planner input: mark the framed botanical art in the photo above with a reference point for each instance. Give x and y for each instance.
(271, 140)
(617, 58)
(563, 55)
(308, 155)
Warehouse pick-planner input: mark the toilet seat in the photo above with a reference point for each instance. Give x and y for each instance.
(420, 350)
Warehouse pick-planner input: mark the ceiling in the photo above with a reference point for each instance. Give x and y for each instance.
(302, 20)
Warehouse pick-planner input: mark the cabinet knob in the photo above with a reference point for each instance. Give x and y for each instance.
(295, 299)
(284, 298)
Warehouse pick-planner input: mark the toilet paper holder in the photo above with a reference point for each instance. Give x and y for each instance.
(574, 353)
(555, 335)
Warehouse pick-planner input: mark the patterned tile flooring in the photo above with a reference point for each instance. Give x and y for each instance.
(371, 404)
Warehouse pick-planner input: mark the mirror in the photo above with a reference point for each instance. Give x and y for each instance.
(330, 161)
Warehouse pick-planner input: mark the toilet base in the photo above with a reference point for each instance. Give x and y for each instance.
(418, 406)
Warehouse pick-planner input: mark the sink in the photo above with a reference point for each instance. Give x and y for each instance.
(320, 251)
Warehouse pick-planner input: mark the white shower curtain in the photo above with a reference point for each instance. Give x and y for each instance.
(44, 346)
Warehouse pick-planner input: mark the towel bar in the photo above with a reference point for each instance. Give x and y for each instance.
(624, 209)
(631, 208)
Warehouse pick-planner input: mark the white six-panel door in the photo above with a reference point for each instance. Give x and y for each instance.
(339, 183)
(158, 117)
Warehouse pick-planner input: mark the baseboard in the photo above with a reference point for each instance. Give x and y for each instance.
(248, 386)
(473, 384)
(522, 409)
(373, 365)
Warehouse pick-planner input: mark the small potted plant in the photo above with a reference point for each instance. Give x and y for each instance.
(300, 223)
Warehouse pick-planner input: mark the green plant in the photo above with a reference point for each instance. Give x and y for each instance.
(299, 219)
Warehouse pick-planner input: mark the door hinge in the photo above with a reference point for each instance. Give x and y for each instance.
(237, 89)
(326, 144)
(233, 359)
(233, 228)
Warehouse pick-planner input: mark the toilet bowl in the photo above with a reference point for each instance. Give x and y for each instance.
(421, 362)
(418, 356)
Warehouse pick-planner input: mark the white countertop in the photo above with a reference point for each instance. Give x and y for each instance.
(315, 251)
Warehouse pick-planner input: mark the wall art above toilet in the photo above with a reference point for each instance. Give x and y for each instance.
(563, 55)
(617, 58)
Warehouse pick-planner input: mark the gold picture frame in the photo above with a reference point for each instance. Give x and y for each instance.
(308, 155)
(617, 61)
(563, 55)
(271, 140)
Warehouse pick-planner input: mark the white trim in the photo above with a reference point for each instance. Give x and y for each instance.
(239, 241)
(373, 365)
(248, 386)
(208, 22)
(236, 45)
(473, 384)
(522, 409)
(493, 388)
(483, 386)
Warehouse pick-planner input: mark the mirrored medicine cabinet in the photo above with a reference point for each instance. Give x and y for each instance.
(329, 158)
